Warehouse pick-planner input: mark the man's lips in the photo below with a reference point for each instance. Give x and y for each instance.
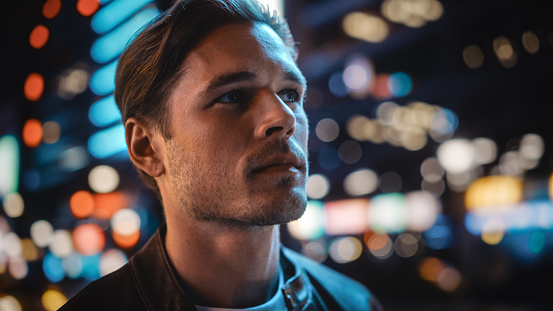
(288, 163)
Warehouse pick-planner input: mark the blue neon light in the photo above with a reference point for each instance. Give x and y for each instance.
(102, 82)
(104, 112)
(537, 214)
(107, 142)
(53, 268)
(112, 44)
(115, 13)
(400, 84)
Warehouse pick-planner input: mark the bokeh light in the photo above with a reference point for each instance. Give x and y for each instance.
(422, 210)
(367, 27)
(412, 13)
(73, 159)
(473, 56)
(73, 81)
(504, 51)
(346, 216)
(532, 147)
(336, 85)
(39, 36)
(103, 179)
(431, 170)
(53, 300)
(13, 205)
(388, 213)
(318, 186)
(125, 225)
(456, 155)
(400, 84)
(32, 133)
(381, 89)
(327, 130)
(87, 7)
(61, 244)
(406, 245)
(9, 164)
(360, 182)
(111, 260)
(34, 86)
(530, 42)
(380, 245)
(51, 8)
(485, 150)
(345, 249)
(51, 132)
(311, 224)
(493, 231)
(29, 250)
(10, 303)
(12, 245)
(42, 233)
(89, 239)
(53, 268)
(496, 192)
(81, 204)
(107, 204)
(358, 77)
(17, 267)
(73, 265)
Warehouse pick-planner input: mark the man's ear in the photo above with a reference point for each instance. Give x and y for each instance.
(144, 144)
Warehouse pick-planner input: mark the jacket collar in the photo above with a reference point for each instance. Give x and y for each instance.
(161, 288)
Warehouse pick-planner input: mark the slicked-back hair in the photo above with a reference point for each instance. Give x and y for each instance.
(152, 63)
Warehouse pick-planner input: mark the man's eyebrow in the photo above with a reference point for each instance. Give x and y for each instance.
(294, 76)
(229, 78)
(241, 76)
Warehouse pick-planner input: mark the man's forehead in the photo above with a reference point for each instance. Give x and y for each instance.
(241, 47)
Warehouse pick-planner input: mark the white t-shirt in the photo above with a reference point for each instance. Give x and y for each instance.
(274, 304)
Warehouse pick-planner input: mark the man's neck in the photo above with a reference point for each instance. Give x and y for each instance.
(224, 267)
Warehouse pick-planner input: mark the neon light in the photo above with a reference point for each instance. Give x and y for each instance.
(112, 44)
(102, 82)
(104, 112)
(9, 165)
(114, 13)
(536, 214)
(107, 142)
(53, 268)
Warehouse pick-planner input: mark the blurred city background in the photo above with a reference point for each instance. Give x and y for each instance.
(431, 149)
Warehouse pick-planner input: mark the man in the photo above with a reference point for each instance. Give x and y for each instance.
(212, 102)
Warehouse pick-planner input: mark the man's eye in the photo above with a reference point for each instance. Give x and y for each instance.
(231, 97)
(290, 96)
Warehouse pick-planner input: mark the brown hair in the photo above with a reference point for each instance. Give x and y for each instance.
(150, 66)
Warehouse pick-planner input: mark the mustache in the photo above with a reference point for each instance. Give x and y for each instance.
(278, 146)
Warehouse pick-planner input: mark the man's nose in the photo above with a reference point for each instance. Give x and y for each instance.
(276, 118)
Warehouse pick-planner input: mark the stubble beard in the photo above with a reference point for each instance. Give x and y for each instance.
(199, 200)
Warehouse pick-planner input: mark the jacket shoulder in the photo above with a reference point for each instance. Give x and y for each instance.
(115, 291)
(348, 293)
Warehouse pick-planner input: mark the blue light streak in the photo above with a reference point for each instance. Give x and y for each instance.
(107, 142)
(115, 13)
(528, 215)
(102, 82)
(104, 112)
(112, 44)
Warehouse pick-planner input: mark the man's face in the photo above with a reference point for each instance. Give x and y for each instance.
(238, 151)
